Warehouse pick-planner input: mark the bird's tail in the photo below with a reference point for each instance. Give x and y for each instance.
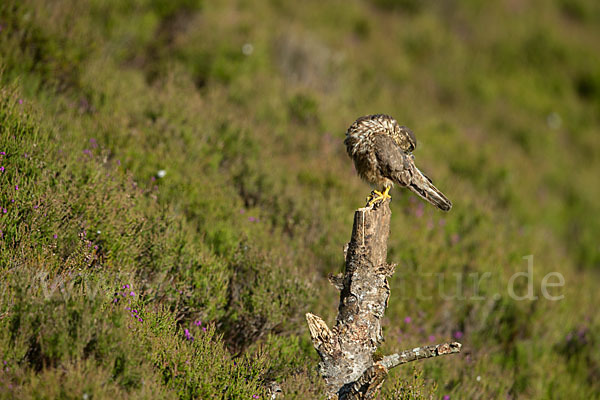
(422, 186)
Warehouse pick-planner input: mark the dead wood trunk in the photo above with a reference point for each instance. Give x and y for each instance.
(347, 349)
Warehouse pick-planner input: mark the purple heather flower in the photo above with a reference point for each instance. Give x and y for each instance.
(188, 335)
(88, 152)
(20, 101)
(255, 396)
(446, 397)
(420, 210)
(432, 338)
(4, 210)
(135, 311)
(2, 153)
(198, 322)
(131, 293)
(458, 334)
(93, 143)
(16, 187)
(140, 319)
(455, 238)
(203, 329)
(242, 211)
(95, 247)
(55, 236)
(1, 169)
(118, 162)
(408, 320)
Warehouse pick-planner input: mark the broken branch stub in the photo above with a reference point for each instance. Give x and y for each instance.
(347, 349)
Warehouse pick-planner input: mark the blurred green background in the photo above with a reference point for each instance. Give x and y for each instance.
(174, 191)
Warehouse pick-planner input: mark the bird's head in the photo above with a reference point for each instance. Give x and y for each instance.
(405, 139)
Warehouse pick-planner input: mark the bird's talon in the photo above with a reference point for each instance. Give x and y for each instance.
(386, 193)
(377, 196)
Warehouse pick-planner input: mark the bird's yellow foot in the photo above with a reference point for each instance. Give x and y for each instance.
(377, 196)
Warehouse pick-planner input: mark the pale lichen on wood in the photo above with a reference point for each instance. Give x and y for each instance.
(347, 349)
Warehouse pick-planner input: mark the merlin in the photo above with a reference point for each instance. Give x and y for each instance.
(382, 154)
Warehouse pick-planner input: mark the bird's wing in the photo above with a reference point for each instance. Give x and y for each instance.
(399, 166)
(390, 157)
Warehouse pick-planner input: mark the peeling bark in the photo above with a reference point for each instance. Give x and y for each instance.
(346, 350)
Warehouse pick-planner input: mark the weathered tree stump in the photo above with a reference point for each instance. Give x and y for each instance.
(346, 350)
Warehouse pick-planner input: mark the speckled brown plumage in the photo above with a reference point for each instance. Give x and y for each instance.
(382, 153)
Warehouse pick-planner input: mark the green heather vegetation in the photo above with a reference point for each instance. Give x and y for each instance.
(174, 191)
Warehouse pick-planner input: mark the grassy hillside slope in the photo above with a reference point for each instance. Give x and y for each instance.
(174, 191)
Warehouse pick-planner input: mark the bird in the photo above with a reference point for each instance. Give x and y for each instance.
(382, 153)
